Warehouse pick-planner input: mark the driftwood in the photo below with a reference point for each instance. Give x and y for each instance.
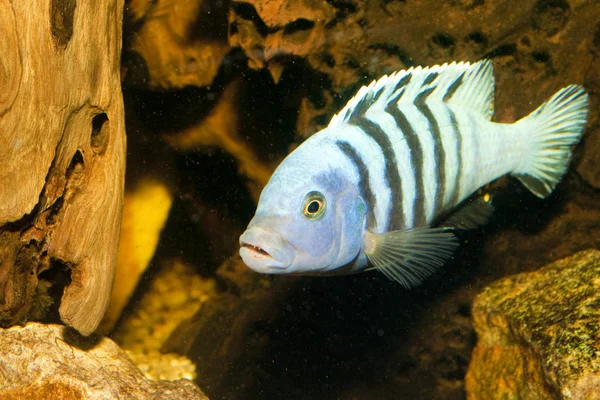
(62, 146)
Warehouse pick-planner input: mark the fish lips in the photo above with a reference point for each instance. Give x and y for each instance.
(266, 251)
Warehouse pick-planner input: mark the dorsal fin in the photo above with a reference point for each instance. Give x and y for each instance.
(378, 93)
(475, 90)
(464, 84)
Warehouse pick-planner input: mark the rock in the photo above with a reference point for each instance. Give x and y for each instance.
(173, 44)
(174, 294)
(145, 213)
(589, 167)
(269, 31)
(158, 366)
(539, 46)
(53, 362)
(539, 335)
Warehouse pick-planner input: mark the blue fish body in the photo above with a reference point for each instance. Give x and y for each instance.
(378, 186)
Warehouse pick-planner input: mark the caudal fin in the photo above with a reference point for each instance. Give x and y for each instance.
(553, 129)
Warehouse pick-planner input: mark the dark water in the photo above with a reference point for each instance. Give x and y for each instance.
(362, 336)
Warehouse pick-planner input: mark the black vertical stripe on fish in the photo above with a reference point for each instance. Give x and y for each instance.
(361, 107)
(453, 87)
(400, 88)
(456, 130)
(392, 175)
(430, 78)
(364, 183)
(377, 94)
(439, 153)
(371, 97)
(416, 161)
(421, 97)
(403, 82)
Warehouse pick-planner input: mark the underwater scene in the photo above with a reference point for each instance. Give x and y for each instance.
(300, 199)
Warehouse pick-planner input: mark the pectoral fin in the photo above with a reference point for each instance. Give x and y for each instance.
(411, 255)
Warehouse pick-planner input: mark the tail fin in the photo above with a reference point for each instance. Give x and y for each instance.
(554, 129)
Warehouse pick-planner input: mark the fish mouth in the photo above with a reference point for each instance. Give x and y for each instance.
(256, 251)
(265, 251)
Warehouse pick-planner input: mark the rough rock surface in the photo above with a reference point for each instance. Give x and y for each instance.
(343, 44)
(52, 362)
(589, 167)
(174, 43)
(539, 334)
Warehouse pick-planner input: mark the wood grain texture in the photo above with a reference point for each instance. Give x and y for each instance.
(62, 145)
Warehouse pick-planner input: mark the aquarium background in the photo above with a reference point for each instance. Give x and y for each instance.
(218, 92)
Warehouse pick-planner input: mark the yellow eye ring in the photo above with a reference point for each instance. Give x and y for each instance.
(314, 205)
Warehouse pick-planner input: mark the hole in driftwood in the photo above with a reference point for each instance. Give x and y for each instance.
(74, 173)
(551, 15)
(478, 38)
(393, 50)
(99, 138)
(52, 216)
(76, 166)
(53, 281)
(61, 21)
(596, 41)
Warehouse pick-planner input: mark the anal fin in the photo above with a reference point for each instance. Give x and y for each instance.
(473, 213)
(409, 256)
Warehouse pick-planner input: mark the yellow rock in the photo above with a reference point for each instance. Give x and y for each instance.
(150, 322)
(145, 213)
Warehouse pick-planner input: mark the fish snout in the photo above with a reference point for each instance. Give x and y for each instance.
(265, 251)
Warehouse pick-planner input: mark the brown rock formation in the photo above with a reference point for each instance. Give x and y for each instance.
(348, 43)
(538, 334)
(174, 43)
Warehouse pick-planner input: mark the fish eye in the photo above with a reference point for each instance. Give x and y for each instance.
(314, 205)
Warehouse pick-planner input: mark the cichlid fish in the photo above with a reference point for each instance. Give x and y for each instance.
(381, 186)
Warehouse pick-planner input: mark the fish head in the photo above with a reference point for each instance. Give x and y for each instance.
(308, 220)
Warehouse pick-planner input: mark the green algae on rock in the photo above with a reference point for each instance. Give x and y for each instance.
(539, 334)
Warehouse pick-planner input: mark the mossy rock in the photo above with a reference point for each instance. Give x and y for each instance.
(539, 334)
